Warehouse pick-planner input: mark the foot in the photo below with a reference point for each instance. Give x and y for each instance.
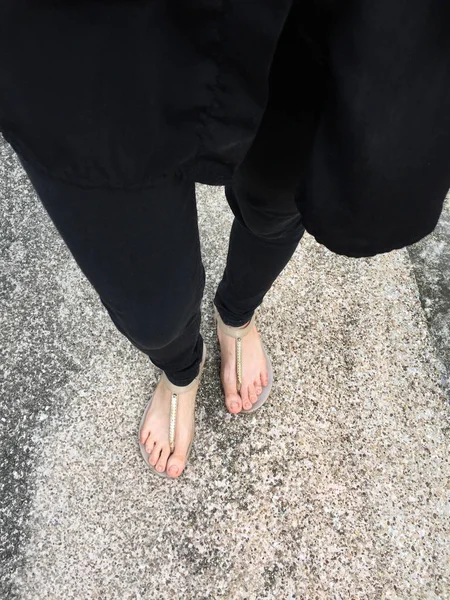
(254, 370)
(155, 430)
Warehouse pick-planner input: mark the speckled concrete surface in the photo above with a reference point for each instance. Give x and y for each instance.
(431, 261)
(337, 488)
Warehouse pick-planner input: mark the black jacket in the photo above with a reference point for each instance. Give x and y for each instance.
(118, 93)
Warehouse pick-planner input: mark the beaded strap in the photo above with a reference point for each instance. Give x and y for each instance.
(173, 419)
(179, 389)
(237, 333)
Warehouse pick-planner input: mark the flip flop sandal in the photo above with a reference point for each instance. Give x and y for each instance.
(238, 333)
(175, 389)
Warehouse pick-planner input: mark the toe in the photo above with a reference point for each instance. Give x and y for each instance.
(233, 402)
(149, 444)
(162, 462)
(246, 403)
(175, 465)
(258, 386)
(144, 433)
(265, 378)
(252, 394)
(154, 456)
(232, 398)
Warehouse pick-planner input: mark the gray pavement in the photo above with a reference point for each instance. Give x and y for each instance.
(431, 263)
(336, 489)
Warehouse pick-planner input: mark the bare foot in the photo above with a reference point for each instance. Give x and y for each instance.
(155, 430)
(254, 370)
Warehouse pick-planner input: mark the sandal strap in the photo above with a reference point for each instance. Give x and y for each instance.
(239, 364)
(237, 333)
(173, 420)
(179, 389)
(234, 332)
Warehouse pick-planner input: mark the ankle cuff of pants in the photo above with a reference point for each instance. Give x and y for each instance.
(230, 318)
(184, 378)
(188, 373)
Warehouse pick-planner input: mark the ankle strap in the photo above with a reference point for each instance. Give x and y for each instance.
(178, 389)
(234, 332)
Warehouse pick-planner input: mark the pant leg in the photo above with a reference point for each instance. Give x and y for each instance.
(267, 226)
(140, 250)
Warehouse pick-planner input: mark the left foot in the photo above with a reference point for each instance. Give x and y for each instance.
(254, 370)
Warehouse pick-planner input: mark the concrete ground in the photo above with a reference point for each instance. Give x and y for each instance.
(336, 489)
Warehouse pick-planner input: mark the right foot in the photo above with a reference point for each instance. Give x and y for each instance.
(155, 430)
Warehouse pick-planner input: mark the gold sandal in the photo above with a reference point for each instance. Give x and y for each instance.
(175, 389)
(238, 333)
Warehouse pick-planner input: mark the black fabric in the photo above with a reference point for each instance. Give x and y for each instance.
(120, 94)
(267, 226)
(379, 168)
(140, 249)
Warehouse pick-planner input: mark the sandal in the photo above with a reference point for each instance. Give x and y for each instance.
(238, 333)
(175, 389)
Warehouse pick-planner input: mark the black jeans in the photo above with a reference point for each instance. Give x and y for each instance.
(140, 249)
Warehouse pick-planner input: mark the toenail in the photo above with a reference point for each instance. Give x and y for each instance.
(174, 470)
(159, 467)
(234, 405)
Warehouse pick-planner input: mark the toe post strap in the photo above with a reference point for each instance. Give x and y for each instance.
(175, 389)
(173, 420)
(237, 333)
(239, 363)
(179, 389)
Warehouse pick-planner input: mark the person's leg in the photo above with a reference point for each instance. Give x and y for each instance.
(265, 233)
(267, 225)
(140, 250)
